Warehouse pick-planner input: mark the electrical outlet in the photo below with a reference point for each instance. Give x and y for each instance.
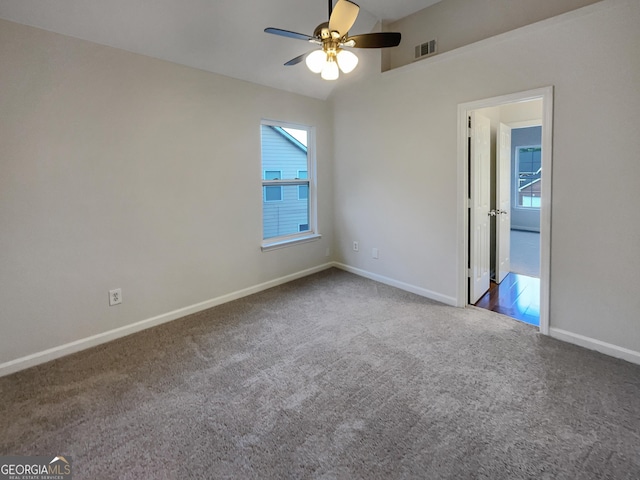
(356, 246)
(374, 253)
(115, 297)
(327, 252)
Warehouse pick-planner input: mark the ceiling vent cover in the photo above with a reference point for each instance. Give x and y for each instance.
(425, 49)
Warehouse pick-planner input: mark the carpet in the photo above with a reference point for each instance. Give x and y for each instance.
(331, 377)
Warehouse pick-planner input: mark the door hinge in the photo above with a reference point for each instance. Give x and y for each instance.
(469, 131)
(469, 273)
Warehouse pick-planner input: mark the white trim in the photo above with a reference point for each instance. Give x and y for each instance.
(423, 292)
(546, 95)
(525, 124)
(281, 242)
(545, 208)
(84, 343)
(597, 345)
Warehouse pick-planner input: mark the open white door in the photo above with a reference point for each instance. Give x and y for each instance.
(479, 205)
(503, 203)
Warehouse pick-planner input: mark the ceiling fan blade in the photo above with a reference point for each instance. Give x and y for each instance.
(375, 40)
(297, 60)
(343, 16)
(287, 33)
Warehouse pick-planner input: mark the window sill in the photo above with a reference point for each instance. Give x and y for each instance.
(266, 246)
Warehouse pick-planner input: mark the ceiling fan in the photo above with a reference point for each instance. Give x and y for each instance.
(332, 37)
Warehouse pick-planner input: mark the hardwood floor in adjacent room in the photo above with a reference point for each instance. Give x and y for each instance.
(518, 296)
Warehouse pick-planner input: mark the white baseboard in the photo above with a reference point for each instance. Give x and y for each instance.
(597, 345)
(34, 359)
(569, 337)
(398, 284)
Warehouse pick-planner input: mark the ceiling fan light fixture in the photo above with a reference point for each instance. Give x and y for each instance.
(347, 60)
(330, 70)
(332, 36)
(316, 61)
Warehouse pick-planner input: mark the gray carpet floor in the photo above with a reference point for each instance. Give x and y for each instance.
(331, 377)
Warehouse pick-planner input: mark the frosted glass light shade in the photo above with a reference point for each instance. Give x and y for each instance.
(316, 61)
(347, 61)
(330, 70)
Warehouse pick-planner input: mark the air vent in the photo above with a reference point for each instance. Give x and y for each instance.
(425, 49)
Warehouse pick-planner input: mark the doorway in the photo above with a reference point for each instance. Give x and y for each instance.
(530, 191)
(516, 165)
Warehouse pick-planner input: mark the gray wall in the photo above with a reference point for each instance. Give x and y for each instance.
(523, 218)
(456, 23)
(119, 170)
(411, 155)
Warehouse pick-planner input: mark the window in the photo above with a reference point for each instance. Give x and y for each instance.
(528, 171)
(272, 193)
(288, 207)
(303, 190)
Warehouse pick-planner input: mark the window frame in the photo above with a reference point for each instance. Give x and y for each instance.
(296, 237)
(517, 176)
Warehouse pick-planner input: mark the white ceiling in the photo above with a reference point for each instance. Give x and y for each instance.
(221, 36)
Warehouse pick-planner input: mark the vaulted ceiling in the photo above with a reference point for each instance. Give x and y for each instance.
(221, 36)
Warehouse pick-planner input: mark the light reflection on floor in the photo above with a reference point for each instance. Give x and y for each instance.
(517, 296)
(528, 301)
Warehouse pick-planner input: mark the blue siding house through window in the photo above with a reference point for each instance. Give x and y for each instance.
(285, 209)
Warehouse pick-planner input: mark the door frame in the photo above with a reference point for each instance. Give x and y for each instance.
(464, 109)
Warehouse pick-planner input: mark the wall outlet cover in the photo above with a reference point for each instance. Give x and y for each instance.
(115, 297)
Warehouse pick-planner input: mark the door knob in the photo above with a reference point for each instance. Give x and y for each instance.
(493, 213)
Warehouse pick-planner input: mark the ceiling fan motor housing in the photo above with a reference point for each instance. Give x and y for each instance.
(330, 40)
(322, 31)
